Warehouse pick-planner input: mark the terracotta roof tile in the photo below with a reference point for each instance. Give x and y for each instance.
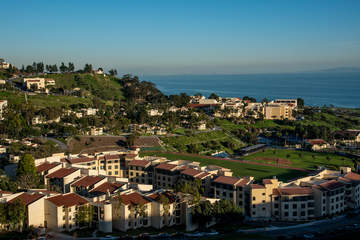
(46, 166)
(112, 157)
(166, 166)
(352, 176)
(293, 191)
(80, 160)
(257, 186)
(27, 198)
(105, 187)
(227, 180)
(169, 195)
(139, 163)
(62, 172)
(87, 181)
(68, 200)
(316, 141)
(133, 198)
(331, 185)
(191, 172)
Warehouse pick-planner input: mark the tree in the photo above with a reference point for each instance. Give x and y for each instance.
(26, 165)
(213, 96)
(40, 67)
(300, 102)
(113, 72)
(85, 214)
(71, 67)
(16, 214)
(63, 68)
(88, 68)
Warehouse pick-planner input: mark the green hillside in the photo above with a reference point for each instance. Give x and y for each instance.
(104, 87)
(42, 100)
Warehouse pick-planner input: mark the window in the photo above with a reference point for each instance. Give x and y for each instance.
(294, 214)
(286, 214)
(263, 201)
(286, 206)
(109, 173)
(303, 205)
(116, 172)
(116, 166)
(276, 205)
(254, 198)
(263, 194)
(294, 205)
(109, 167)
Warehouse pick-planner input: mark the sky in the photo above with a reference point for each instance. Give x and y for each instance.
(150, 37)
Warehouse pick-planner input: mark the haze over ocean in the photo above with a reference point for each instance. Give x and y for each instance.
(317, 89)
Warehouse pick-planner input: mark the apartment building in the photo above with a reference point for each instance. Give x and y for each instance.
(351, 181)
(34, 203)
(131, 211)
(230, 188)
(163, 209)
(61, 211)
(293, 204)
(329, 198)
(140, 171)
(87, 183)
(278, 111)
(190, 175)
(258, 199)
(46, 168)
(291, 102)
(61, 179)
(166, 175)
(38, 83)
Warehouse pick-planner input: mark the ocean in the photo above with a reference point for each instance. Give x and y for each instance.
(317, 89)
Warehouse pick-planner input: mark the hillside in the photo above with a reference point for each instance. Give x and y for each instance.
(42, 100)
(104, 87)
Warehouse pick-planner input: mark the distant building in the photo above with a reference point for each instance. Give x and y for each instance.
(278, 111)
(3, 105)
(4, 65)
(316, 144)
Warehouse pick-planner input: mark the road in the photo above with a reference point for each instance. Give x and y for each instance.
(58, 143)
(322, 228)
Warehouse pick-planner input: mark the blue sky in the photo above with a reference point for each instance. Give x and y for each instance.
(184, 37)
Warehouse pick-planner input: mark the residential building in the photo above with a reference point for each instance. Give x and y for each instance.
(37, 83)
(140, 171)
(87, 183)
(316, 144)
(230, 188)
(35, 214)
(61, 179)
(131, 211)
(61, 211)
(293, 203)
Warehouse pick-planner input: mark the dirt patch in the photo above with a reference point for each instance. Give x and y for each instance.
(281, 161)
(90, 144)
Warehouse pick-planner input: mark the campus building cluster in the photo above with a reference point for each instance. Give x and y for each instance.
(278, 109)
(125, 191)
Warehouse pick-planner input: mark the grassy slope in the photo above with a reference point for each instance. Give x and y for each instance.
(108, 86)
(306, 159)
(41, 100)
(239, 169)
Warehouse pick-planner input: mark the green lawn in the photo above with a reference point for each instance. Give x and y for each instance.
(42, 100)
(239, 169)
(303, 159)
(228, 125)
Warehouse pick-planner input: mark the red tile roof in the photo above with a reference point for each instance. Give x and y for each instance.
(316, 141)
(46, 166)
(105, 187)
(203, 175)
(169, 195)
(133, 198)
(68, 200)
(166, 166)
(139, 163)
(27, 198)
(4, 192)
(80, 160)
(352, 176)
(293, 191)
(62, 172)
(331, 185)
(267, 181)
(257, 186)
(191, 172)
(229, 180)
(87, 181)
(112, 157)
